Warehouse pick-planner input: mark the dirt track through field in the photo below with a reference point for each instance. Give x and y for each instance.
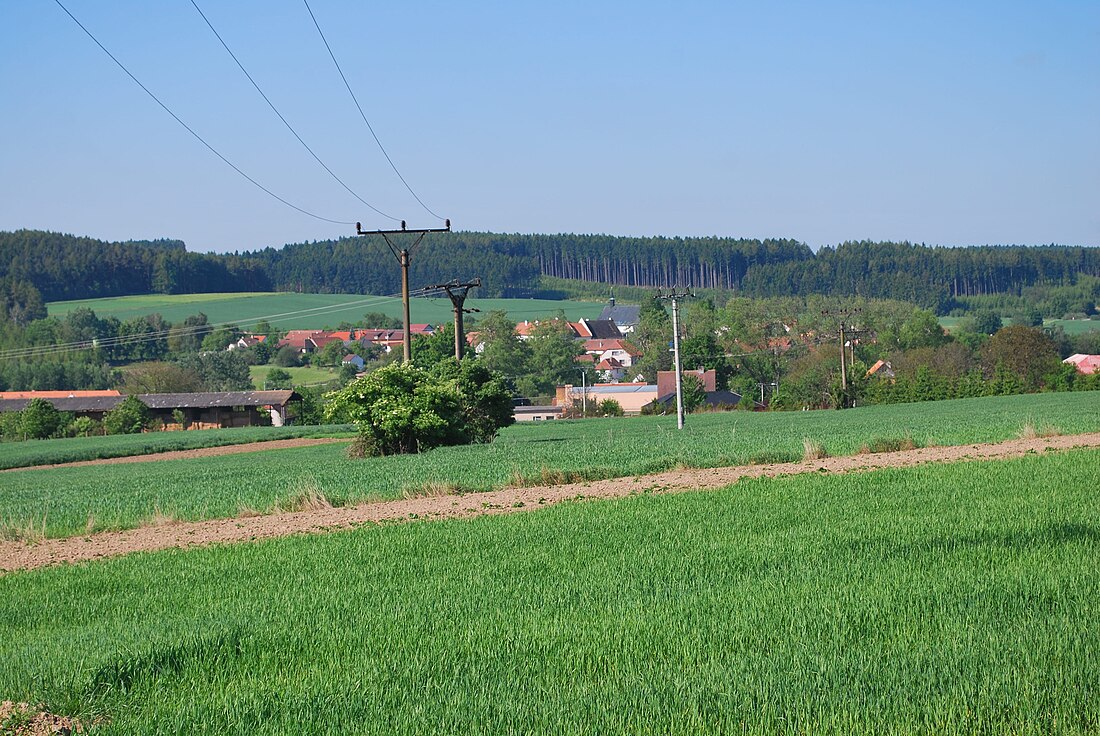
(194, 453)
(25, 556)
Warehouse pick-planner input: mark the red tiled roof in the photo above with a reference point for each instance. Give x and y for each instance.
(1086, 364)
(324, 339)
(56, 394)
(603, 345)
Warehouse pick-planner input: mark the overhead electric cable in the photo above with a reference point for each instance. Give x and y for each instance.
(190, 130)
(36, 351)
(280, 116)
(364, 115)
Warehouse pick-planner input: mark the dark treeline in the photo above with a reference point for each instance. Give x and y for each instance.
(718, 263)
(365, 265)
(62, 267)
(68, 267)
(933, 277)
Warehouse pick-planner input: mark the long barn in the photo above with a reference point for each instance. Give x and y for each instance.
(205, 410)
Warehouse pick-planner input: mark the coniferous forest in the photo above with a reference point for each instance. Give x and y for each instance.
(38, 266)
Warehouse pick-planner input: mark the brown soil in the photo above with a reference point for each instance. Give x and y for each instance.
(198, 452)
(21, 719)
(23, 556)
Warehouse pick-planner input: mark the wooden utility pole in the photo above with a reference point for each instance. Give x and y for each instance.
(402, 256)
(457, 293)
(675, 297)
(844, 314)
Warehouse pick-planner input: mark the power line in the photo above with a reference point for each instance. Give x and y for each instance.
(280, 116)
(188, 128)
(364, 115)
(38, 351)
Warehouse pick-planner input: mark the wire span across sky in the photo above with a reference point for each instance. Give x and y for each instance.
(941, 122)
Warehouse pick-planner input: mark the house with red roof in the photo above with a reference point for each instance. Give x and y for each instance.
(1085, 364)
(621, 350)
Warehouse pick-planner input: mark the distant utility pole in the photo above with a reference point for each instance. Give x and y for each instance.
(852, 331)
(402, 256)
(675, 297)
(457, 293)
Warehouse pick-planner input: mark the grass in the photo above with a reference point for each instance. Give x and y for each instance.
(303, 376)
(954, 599)
(74, 449)
(1074, 326)
(328, 309)
(62, 500)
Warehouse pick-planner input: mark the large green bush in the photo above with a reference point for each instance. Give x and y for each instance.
(129, 417)
(40, 420)
(401, 408)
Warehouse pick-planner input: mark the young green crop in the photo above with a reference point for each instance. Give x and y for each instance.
(68, 501)
(942, 599)
(319, 309)
(74, 449)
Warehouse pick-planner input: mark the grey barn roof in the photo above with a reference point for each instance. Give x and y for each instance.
(216, 398)
(622, 314)
(163, 401)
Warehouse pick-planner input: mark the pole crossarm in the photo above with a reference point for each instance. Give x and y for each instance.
(457, 293)
(676, 297)
(845, 334)
(419, 232)
(402, 256)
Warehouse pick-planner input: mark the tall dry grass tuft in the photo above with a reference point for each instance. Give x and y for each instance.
(1030, 432)
(29, 531)
(312, 500)
(244, 511)
(161, 518)
(812, 450)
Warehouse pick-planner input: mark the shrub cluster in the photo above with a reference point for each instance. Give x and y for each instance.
(402, 408)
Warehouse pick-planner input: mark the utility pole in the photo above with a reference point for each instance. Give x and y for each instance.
(457, 293)
(843, 313)
(675, 297)
(584, 393)
(402, 256)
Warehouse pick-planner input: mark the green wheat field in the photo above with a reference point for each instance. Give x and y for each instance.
(291, 311)
(949, 599)
(70, 501)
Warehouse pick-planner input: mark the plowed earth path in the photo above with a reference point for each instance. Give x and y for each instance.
(25, 556)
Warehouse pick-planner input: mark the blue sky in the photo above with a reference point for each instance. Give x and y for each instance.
(947, 123)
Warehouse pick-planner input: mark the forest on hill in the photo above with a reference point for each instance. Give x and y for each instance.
(38, 266)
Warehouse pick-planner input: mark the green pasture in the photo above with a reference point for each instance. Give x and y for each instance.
(289, 311)
(1074, 326)
(73, 449)
(949, 599)
(303, 376)
(68, 501)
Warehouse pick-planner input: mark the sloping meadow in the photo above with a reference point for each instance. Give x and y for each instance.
(941, 599)
(72, 501)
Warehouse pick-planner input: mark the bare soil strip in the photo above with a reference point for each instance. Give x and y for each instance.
(25, 556)
(195, 453)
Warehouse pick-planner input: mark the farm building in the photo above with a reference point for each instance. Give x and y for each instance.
(1086, 364)
(631, 396)
(536, 413)
(208, 410)
(625, 316)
